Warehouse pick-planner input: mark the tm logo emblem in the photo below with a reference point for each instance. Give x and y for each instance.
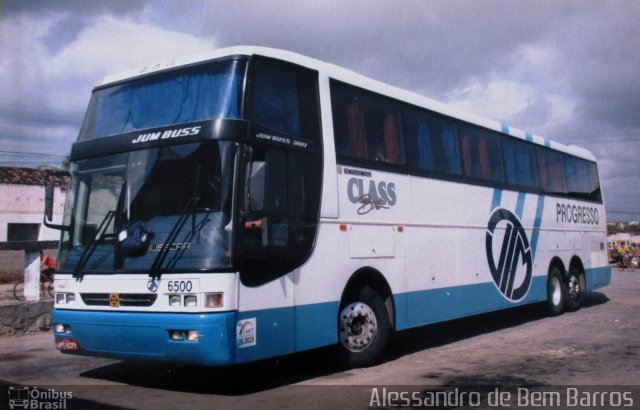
(512, 273)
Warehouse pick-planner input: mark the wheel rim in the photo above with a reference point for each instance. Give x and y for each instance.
(556, 291)
(574, 287)
(358, 326)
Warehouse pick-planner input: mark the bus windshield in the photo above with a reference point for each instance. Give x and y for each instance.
(211, 91)
(126, 209)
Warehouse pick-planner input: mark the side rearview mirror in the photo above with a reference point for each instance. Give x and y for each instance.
(49, 192)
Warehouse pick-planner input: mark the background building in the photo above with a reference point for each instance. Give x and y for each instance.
(21, 213)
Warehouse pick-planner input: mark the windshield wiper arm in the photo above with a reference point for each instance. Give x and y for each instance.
(156, 267)
(93, 244)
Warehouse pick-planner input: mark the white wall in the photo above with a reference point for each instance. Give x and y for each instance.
(25, 204)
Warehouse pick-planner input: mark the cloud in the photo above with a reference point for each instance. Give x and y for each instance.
(111, 45)
(45, 90)
(565, 69)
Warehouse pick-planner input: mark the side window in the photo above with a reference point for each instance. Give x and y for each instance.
(279, 218)
(280, 214)
(481, 156)
(285, 99)
(520, 163)
(366, 126)
(551, 171)
(431, 142)
(276, 201)
(577, 172)
(594, 182)
(582, 178)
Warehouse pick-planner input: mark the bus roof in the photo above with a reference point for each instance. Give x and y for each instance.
(347, 76)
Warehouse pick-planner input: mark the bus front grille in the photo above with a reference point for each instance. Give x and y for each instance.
(124, 299)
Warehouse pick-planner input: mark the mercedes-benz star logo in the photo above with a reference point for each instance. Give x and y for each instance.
(152, 285)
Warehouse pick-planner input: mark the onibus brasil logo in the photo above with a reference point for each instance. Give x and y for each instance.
(512, 272)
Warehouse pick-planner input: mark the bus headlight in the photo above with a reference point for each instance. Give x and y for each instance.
(193, 336)
(184, 335)
(61, 328)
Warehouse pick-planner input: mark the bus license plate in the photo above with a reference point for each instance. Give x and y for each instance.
(66, 344)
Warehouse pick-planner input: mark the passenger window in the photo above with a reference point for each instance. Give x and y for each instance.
(285, 99)
(551, 171)
(582, 178)
(594, 182)
(577, 172)
(366, 126)
(432, 142)
(519, 162)
(481, 156)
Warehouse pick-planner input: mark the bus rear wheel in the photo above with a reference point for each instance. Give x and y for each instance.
(575, 288)
(363, 328)
(555, 292)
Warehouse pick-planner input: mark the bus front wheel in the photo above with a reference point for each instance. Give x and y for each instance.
(363, 328)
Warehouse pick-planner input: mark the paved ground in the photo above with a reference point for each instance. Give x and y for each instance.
(528, 358)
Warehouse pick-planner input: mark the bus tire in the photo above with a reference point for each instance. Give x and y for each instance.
(555, 292)
(575, 288)
(363, 328)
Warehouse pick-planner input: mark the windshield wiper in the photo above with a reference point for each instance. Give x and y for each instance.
(156, 267)
(93, 244)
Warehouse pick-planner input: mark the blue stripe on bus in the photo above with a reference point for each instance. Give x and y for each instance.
(520, 204)
(536, 226)
(497, 198)
(438, 305)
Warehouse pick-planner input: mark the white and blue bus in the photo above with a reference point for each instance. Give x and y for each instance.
(251, 202)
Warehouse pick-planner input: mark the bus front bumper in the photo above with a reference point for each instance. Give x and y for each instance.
(195, 338)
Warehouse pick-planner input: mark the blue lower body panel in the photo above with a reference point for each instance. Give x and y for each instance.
(597, 278)
(131, 335)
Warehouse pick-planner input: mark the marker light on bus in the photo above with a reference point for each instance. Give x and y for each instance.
(63, 298)
(190, 301)
(175, 300)
(214, 300)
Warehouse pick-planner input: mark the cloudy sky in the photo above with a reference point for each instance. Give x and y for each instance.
(566, 70)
